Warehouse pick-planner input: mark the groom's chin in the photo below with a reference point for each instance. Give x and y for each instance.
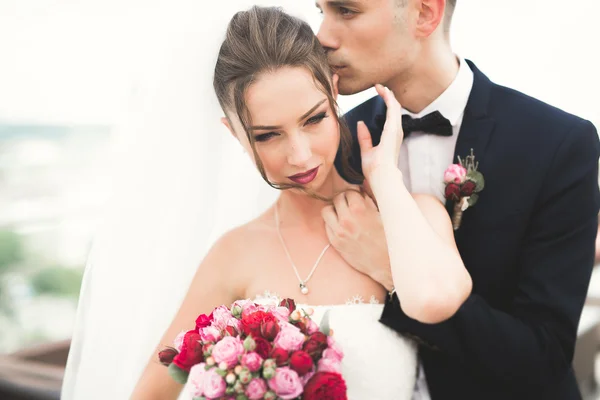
(349, 86)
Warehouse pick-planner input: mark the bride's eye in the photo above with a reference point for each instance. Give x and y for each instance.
(316, 118)
(264, 137)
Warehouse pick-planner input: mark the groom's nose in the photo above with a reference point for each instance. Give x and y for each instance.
(326, 35)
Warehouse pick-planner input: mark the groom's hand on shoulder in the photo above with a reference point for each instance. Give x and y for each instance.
(355, 230)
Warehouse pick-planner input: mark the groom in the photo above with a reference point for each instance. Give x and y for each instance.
(528, 242)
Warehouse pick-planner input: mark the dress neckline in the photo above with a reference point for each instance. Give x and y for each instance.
(357, 300)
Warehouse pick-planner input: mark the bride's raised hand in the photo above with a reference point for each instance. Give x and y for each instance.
(386, 153)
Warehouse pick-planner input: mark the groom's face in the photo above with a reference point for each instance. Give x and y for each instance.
(368, 41)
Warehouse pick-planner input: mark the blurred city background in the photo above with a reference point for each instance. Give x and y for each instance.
(69, 72)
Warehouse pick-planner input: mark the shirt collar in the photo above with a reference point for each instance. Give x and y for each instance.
(453, 101)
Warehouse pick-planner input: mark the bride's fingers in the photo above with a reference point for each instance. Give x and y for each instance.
(392, 118)
(364, 137)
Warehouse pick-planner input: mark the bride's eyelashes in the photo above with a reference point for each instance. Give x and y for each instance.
(264, 137)
(317, 118)
(314, 120)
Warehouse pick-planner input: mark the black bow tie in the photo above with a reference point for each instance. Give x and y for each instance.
(433, 123)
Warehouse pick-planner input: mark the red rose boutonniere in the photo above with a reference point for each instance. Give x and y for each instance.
(463, 182)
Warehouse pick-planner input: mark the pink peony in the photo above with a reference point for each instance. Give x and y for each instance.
(282, 313)
(247, 306)
(252, 361)
(256, 389)
(221, 317)
(234, 322)
(196, 379)
(178, 342)
(329, 365)
(286, 383)
(455, 173)
(290, 338)
(334, 351)
(210, 334)
(304, 379)
(311, 327)
(214, 385)
(227, 350)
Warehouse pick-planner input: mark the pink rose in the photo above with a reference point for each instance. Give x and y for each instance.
(329, 365)
(282, 313)
(455, 173)
(247, 306)
(178, 342)
(210, 334)
(334, 350)
(311, 327)
(221, 317)
(252, 361)
(256, 389)
(196, 379)
(304, 379)
(227, 350)
(214, 385)
(290, 338)
(286, 383)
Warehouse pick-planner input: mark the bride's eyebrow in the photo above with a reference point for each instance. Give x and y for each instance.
(274, 127)
(306, 114)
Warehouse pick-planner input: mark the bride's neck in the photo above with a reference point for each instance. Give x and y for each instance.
(301, 210)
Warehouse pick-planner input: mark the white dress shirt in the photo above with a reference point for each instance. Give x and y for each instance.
(424, 157)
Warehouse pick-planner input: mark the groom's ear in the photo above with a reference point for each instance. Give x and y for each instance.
(225, 122)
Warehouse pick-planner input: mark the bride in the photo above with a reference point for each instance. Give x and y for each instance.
(274, 85)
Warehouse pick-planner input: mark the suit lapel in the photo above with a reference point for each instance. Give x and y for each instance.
(477, 126)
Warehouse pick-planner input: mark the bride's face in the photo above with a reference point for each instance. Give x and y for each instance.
(295, 131)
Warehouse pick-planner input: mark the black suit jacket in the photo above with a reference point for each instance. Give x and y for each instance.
(528, 244)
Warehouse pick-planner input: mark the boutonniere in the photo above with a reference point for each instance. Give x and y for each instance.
(463, 182)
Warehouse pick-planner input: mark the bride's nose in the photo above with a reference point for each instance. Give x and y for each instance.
(299, 151)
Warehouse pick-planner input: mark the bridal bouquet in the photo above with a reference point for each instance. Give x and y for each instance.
(252, 351)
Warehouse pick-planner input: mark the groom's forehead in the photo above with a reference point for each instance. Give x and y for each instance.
(338, 3)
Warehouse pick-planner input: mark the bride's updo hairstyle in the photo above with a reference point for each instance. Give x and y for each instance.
(264, 39)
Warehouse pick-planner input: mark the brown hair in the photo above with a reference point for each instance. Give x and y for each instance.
(264, 39)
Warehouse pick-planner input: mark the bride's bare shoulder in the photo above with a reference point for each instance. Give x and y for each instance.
(243, 240)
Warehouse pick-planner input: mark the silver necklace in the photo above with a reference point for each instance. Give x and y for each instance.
(303, 287)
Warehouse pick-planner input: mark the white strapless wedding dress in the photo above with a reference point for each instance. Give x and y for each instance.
(378, 364)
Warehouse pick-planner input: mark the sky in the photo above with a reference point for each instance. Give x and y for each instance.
(77, 62)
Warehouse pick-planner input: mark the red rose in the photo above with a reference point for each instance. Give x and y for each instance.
(452, 191)
(325, 385)
(290, 304)
(280, 356)
(203, 321)
(315, 345)
(231, 331)
(467, 188)
(166, 356)
(251, 323)
(301, 362)
(269, 329)
(191, 351)
(263, 347)
(302, 326)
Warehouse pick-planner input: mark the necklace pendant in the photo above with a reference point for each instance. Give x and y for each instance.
(303, 289)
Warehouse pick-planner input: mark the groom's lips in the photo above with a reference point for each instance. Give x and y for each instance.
(305, 177)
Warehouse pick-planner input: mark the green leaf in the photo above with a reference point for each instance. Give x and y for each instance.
(473, 199)
(477, 178)
(324, 325)
(179, 375)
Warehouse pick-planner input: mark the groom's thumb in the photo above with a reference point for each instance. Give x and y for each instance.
(364, 137)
